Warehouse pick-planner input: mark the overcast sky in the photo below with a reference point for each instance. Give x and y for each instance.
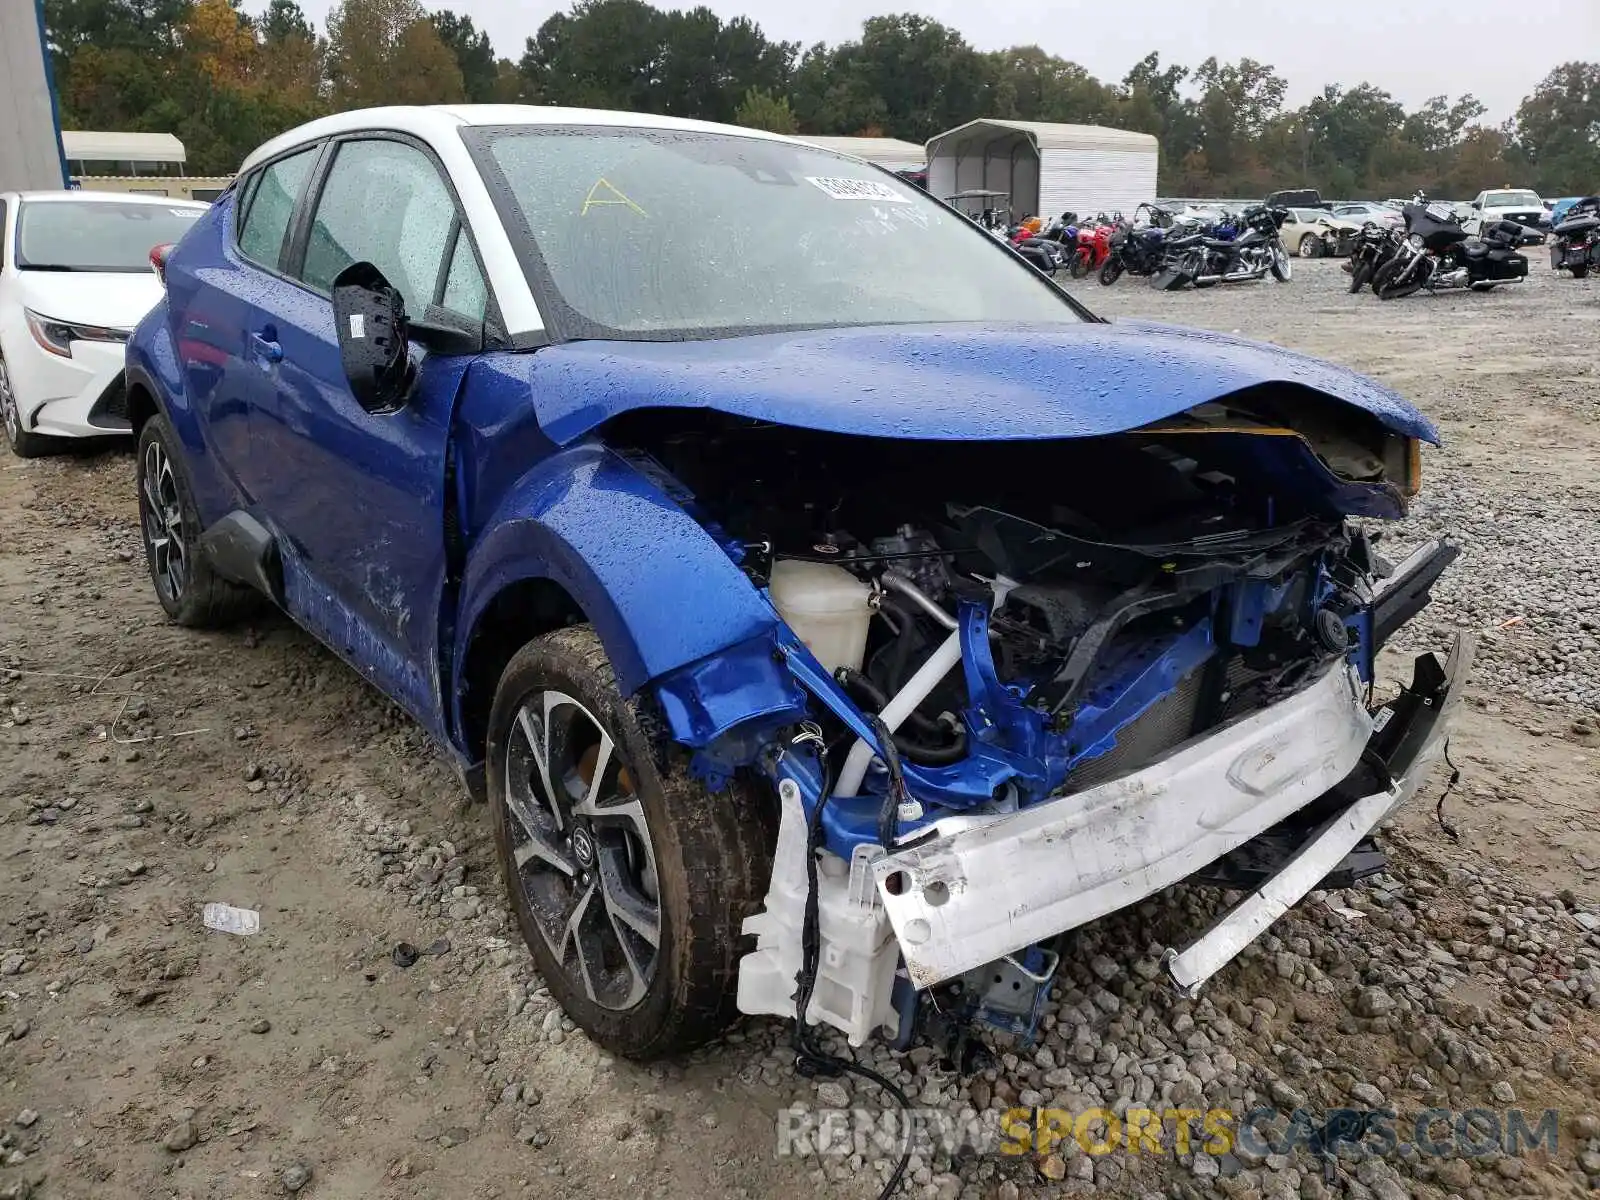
(1412, 48)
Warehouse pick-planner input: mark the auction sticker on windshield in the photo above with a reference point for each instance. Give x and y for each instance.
(857, 189)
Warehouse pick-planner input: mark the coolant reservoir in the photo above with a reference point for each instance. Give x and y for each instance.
(827, 608)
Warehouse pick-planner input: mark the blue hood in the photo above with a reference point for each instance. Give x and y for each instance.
(939, 382)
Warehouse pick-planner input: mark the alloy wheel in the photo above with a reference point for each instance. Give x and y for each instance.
(581, 849)
(162, 513)
(8, 407)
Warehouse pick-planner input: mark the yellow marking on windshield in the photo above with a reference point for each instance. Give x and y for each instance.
(590, 201)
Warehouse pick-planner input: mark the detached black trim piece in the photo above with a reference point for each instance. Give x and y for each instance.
(240, 548)
(1405, 596)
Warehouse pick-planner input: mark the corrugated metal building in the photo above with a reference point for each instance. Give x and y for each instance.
(30, 154)
(889, 153)
(1045, 168)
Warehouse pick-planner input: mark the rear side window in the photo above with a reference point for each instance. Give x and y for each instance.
(269, 201)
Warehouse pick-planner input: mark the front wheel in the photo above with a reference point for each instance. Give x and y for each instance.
(1281, 270)
(23, 444)
(1383, 283)
(1080, 264)
(630, 880)
(1581, 271)
(1111, 272)
(1359, 276)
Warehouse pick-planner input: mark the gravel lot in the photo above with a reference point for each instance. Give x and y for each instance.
(150, 770)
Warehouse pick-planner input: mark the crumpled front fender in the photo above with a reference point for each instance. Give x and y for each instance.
(659, 590)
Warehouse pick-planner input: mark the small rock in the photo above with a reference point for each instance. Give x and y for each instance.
(181, 1137)
(404, 955)
(1053, 1167)
(260, 1025)
(295, 1176)
(511, 1093)
(1503, 1092)
(27, 1118)
(832, 1094)
(19, 1030)
(1373, 1002)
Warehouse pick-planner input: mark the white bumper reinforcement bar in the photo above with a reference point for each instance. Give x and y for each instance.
(959, 901)
(1314, 860)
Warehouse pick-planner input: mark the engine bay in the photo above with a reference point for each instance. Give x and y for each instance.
(1029, 617)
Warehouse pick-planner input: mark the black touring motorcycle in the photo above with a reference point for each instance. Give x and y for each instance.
(1205, 261)
(1576, 247)
(1436, 253)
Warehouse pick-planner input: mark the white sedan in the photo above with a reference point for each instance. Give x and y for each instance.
(75, 278)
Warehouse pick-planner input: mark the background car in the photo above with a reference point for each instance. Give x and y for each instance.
(1316, 232)
(1509, 204)
(1363, 211)
(75, 278)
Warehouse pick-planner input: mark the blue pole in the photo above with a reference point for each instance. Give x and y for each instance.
(50, 82)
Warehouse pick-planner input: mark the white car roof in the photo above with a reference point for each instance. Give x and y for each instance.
(434, 123)
(83, 196)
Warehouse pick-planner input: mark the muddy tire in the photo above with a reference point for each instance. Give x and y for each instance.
(1111, 272)
(1081, 264)
(190, 592)
(630, 880)
(1581, 271)
(1359, 277)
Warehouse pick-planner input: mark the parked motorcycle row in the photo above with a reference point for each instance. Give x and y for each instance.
(1432, 252)
(1170, 251)
(1429, 251)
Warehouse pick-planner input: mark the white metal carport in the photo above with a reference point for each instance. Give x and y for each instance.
(890, 153)
(130, 150)
(1046, 168)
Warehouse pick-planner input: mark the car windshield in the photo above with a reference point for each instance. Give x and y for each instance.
(1512, 200)
(88, 235)
(650, 234)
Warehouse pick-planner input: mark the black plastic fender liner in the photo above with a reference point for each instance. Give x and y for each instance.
(242, 549)
(1407, 592)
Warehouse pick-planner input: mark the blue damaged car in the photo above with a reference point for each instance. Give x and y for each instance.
(831, 611)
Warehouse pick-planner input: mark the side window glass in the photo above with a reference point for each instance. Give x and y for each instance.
(3, 239)
(383, 203)
(464, 292)
(270, 200)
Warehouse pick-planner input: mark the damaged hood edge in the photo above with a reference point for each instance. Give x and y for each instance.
(955, 382)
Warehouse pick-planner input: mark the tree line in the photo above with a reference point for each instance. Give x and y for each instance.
(224, 81)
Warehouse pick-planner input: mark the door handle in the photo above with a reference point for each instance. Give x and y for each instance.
(265, 348)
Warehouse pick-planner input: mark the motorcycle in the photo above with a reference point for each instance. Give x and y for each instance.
(1137, 249)
(1205, 261)
(1576, 247)
(1050, 248)
(1438, 254)
(1375, 245)
(1094, 246)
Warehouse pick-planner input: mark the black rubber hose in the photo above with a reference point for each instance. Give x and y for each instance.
(951, 749)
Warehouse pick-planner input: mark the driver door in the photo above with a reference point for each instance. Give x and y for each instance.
(357, 498)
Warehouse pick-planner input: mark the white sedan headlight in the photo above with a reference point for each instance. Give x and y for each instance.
(56, 337)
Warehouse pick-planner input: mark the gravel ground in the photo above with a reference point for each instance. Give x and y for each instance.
(151, 770)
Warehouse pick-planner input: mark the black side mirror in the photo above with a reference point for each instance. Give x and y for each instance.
(370, 317)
